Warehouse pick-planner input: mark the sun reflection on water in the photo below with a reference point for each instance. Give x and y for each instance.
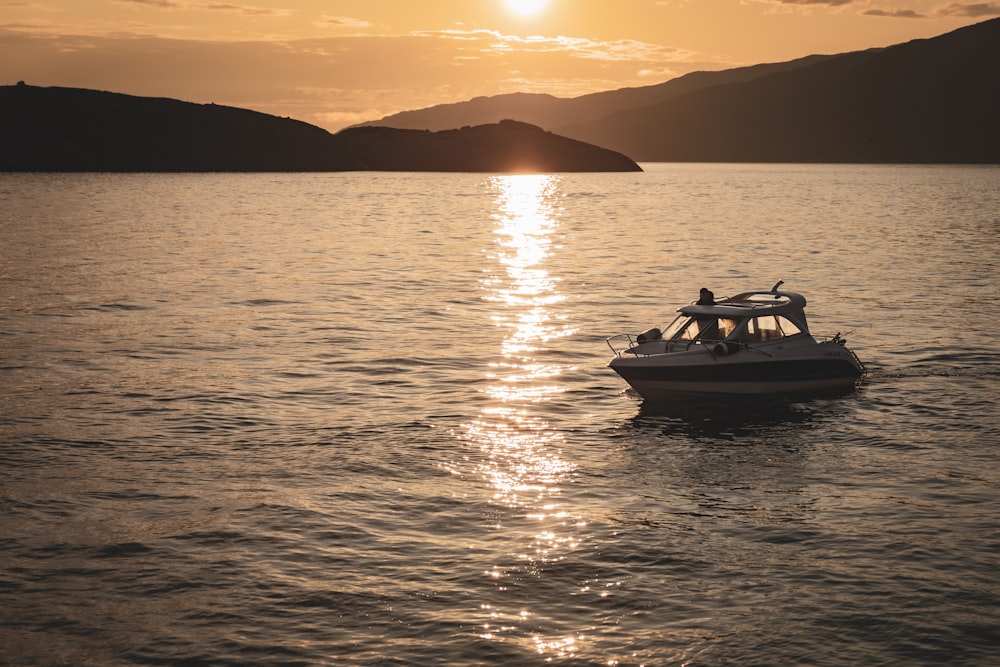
(522, 461)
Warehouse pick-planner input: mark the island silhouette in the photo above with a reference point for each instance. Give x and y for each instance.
(71, 129)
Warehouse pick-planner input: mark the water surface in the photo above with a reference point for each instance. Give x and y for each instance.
(366, 419)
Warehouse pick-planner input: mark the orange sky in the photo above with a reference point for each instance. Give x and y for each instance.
(338, 62)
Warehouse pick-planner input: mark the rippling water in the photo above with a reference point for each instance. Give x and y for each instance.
(365, 419)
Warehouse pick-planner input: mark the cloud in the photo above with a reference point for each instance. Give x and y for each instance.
(486, 42)
(969, 10)
(965, 10)
(974, 10)
(895, 13)
(342, 22)
(245, 10)
(807, 7)
(829, 3)
(160, 4)
(807, 3)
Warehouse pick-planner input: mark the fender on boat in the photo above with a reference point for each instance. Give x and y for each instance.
(722, 348)
(649, 335)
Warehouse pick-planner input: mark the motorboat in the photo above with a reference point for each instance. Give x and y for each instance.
(756, 342)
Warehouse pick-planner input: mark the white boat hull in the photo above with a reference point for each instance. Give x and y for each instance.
(805, 366)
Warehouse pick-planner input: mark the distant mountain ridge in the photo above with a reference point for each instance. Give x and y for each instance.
(549, 111)
(69, 129)
(933, 101)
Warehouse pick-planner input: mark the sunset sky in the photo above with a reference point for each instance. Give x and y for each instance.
(338, 62)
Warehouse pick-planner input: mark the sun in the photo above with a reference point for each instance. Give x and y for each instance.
(526, 7)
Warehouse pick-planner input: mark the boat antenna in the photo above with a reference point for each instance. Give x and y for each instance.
(778, 284)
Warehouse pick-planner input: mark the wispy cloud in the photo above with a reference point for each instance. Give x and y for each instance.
(954, 9)
(974, 10)
(828, 3)
(159, 4)
(245, 10)
(808, 6)
(342, 22)
(895, 13)
(491, 41)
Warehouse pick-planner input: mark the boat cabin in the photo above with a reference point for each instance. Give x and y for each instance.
(745, 319)
(741, 330)
(751, 317)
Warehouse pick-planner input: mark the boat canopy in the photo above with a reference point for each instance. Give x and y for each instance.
(748, 317)
(751, 304)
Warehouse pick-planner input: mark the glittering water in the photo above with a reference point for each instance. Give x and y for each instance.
(365, 419)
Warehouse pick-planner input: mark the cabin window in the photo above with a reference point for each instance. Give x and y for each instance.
(698, 328)
(677, 329)
(727, 327)
(766, 327)
(788, 327)
(769, 327)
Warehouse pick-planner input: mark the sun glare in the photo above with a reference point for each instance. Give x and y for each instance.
(526, 7)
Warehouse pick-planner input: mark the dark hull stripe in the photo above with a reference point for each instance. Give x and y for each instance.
(772, 371)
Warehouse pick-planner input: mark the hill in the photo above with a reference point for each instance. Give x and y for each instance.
(507, 146)
(552, 112)
(69, 129)
(925, 101)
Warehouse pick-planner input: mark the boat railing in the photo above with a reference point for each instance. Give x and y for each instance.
(636, 345)
(624, 342)
(836, 339)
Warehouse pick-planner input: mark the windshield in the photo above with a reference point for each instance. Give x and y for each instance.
(700, 328)
(708, 328)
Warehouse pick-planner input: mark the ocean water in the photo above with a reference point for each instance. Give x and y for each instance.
(366, 419)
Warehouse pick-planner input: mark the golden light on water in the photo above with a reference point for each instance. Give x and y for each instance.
(522, 462)
(522, 448)
(526, 290)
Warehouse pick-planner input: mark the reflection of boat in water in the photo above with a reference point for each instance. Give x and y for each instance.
(752, 343)
(737, 418)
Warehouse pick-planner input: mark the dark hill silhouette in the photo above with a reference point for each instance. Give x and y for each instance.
(930, 101)
(550, 112)
(507, 146)
(925, 101)
(69, 129)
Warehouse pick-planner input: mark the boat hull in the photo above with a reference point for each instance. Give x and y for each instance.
(669, 376)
